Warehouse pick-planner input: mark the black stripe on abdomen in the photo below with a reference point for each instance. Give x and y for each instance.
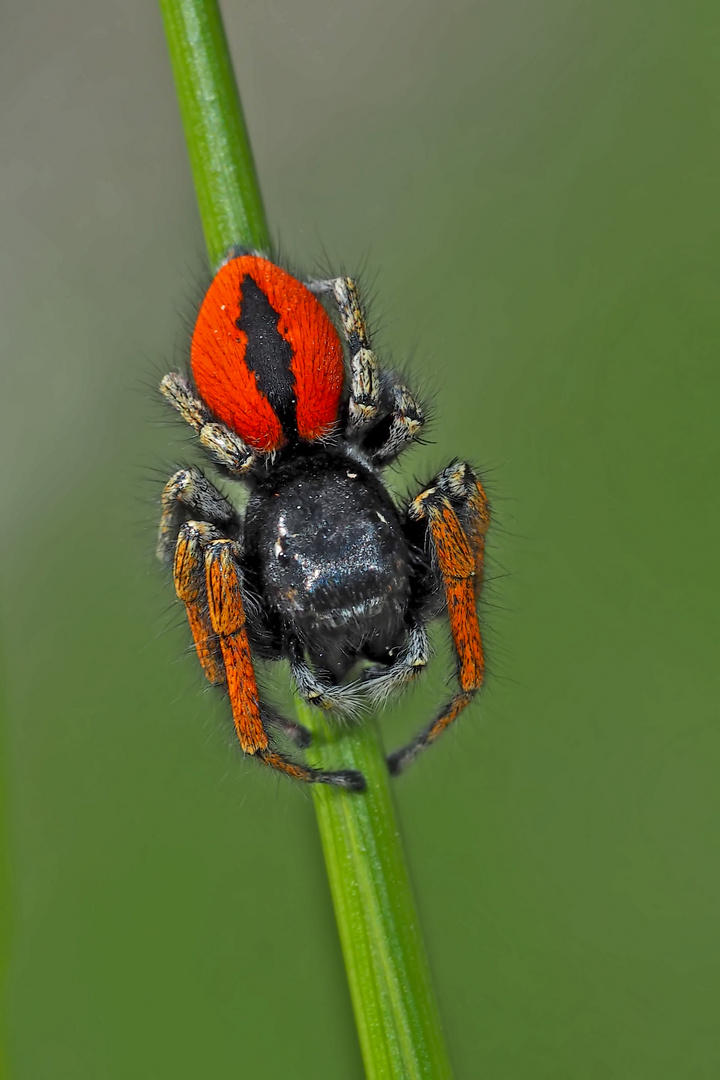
(267, 353)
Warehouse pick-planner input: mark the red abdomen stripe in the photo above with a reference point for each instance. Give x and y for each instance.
(265, 356)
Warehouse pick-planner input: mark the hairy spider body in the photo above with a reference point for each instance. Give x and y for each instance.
(325, 548)
(324, 569)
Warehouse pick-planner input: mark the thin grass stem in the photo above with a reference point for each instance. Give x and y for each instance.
(395, 1010)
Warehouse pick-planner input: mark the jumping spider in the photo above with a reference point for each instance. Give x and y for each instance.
(323, 569)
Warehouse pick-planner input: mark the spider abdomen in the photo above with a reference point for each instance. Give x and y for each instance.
(265, 356)
(331, 558)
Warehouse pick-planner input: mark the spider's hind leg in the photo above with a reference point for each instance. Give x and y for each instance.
(382, 412)
(224, 446)
(401, 421)
(364, 376)
(452, 516)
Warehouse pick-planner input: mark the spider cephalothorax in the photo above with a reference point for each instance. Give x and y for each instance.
(323, 568)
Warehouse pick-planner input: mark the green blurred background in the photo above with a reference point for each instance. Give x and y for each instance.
(533, 189)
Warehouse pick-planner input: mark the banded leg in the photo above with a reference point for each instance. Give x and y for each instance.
(403, 422)
(227, 617)
(188, 494)
(455, 515)
(221, 443)
(364, 376)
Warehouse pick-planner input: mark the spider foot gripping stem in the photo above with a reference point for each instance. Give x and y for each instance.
(455, 514)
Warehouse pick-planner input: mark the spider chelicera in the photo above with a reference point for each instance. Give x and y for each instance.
(323, 568)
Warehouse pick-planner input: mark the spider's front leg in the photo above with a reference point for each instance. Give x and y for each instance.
(190, 495)
(187, 495)
(223, 579)
(190, 576)
(453, 516)
(208, 579)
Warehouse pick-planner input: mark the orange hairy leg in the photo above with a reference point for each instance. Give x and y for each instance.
(227, 616)
(456, 516)
(226, 613)
(477, 525)
(189, 577)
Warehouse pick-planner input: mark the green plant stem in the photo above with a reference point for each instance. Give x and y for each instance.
(395, 1010)
(228, 195)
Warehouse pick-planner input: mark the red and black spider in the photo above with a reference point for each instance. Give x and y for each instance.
(324, 569)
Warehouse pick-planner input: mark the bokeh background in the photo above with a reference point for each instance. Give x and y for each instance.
(532, 188)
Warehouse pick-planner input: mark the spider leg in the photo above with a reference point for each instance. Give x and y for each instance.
(411, 660)
(189, 494)
(364, 376)
(189, 577)
(189, 574)
(402, 420)
(224, 446)
(226, 612)
(454, 514)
